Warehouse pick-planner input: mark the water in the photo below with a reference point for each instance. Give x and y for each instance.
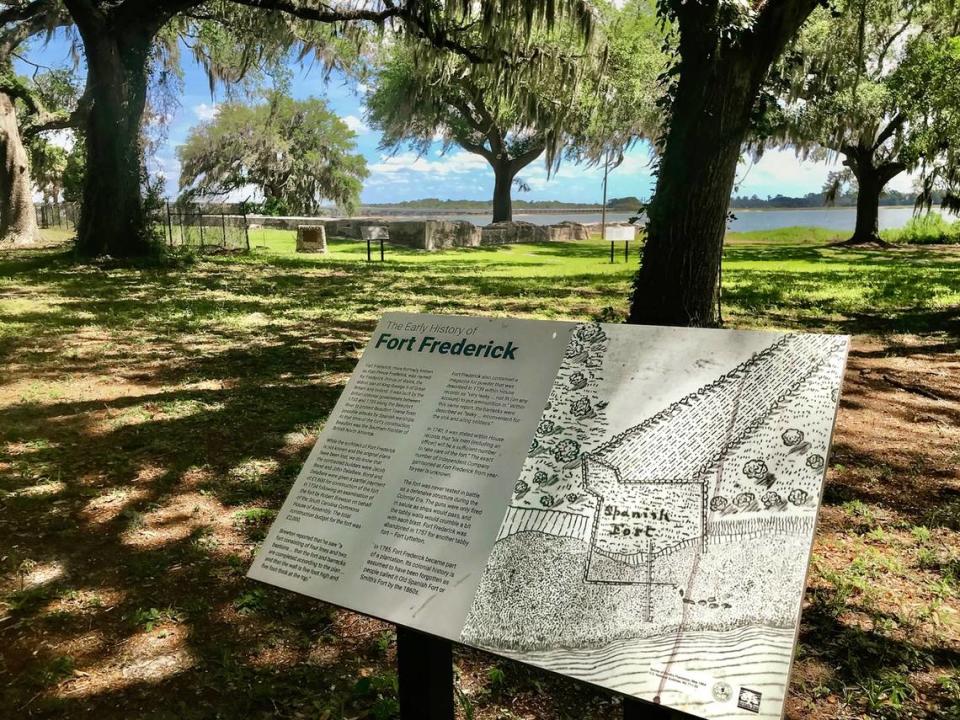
(842, 219)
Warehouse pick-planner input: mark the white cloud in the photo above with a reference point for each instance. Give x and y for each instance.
(355, 124)
(397, 168)
(362, 88)
(206, 111)
(61, 138)
(782, 172)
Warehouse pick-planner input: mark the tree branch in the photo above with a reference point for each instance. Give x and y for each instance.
(476, 149)
(325, 13)
(524, 159)
(409, 12)
(41, 119)
(895, 124)
(23, 12)
(776, 23)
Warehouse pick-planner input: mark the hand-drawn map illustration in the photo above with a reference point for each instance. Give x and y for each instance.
(660, 548)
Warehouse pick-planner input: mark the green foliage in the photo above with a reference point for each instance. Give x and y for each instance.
(561, 92)
(253, 601)
(874, 82)
(927, 88)
(255, 521)
(147, 619)
(75, 170)
(926, 229)
(296, 152)
(48, 162)
(496, 679)
(631, 203)
(55, 670)
(620, 103)
(379, 693)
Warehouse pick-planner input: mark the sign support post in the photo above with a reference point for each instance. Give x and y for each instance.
(425, 674)
(637, 710)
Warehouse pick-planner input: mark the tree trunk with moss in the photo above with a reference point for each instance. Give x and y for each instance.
(113, 219)
(872, 178)
(718, 84)
(18, 218)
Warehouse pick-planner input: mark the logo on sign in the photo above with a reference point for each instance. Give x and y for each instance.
(722, 692)
(749, 700)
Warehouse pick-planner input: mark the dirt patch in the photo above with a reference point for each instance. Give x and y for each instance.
(141, 463)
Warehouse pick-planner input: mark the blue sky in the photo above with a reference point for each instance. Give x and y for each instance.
(457, 174)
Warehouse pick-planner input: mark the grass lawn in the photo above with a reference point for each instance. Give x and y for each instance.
(152, 419)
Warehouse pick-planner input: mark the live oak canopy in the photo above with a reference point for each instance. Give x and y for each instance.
(571, 95)
(120, 38)
(870, 82)
(295, 152)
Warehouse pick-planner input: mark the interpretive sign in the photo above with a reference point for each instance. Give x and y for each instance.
(630, 506)
(620, 232)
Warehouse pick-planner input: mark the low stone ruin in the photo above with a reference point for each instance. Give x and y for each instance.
(503, 233)
(434, 234)
(311, 239)
(426, 234)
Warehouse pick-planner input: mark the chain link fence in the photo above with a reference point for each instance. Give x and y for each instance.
(188, 226)
(58, 216)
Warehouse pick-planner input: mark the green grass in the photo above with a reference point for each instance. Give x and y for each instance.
(154, 415)
(930, 229)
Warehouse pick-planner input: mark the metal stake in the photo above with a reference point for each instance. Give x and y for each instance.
(637, 710)
(425, 673)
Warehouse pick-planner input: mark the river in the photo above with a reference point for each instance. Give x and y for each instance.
(842, 219)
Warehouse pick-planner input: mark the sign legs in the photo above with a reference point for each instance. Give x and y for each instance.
(425, 673)
(636, 710)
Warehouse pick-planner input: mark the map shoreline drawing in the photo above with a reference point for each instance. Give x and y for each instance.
(645, 482)
(656, 536)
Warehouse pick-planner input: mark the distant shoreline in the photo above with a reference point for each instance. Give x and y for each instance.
(386, 210)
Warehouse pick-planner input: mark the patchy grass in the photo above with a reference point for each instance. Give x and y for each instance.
(152, 419)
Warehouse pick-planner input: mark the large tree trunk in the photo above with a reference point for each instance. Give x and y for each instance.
(868, 209)
(112, 218)
(18, 218)
(503, 175)
(718, 84)
(871, 180)
(678, 279)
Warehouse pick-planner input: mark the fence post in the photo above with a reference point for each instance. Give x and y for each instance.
(169, 224)
(246, 226)
(223, 225)
(200, 224)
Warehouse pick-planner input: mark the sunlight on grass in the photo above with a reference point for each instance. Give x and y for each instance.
(152, 418)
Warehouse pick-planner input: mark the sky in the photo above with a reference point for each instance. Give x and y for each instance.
(399, 174)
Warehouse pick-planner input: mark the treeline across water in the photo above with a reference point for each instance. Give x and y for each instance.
(634, 204)
(819, 200)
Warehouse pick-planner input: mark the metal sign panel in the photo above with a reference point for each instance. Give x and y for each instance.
(630, 506)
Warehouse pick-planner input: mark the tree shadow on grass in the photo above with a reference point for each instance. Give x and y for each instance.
(208, 389)
(868, 666)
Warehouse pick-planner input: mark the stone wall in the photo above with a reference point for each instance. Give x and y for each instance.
(434, 234)
(503, 233)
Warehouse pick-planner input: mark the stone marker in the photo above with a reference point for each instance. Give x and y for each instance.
(311, 239)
